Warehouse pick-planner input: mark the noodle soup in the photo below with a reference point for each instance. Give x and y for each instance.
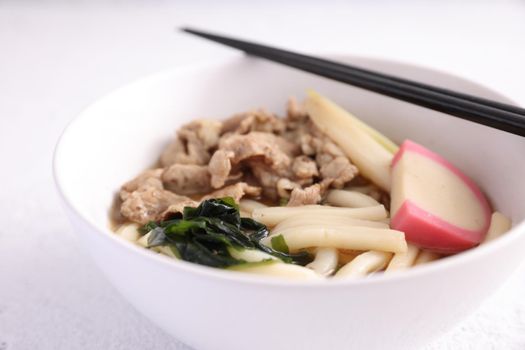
(312, 195)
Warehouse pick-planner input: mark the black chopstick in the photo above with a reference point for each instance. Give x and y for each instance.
(480, 110)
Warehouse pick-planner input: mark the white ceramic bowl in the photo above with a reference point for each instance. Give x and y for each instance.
(123, 133)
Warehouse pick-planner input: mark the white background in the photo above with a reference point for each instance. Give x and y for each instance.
(56, 57)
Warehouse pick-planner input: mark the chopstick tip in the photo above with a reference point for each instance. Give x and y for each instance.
(188, 30)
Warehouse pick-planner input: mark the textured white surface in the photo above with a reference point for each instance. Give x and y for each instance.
(56, 58)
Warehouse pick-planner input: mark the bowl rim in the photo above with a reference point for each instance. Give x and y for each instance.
(222, 275)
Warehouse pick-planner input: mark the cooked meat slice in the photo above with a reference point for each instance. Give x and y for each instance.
(329, 147)
(338, 172)
(313, 142)
(207, 131)
(261, 120)
(145, 199)
(304, 167)
(268, 177)
(294, 111)
(290, 147)
(237, 191)
(335, 168)
(285, 187)
(178, 207)
(308, 195)
(220, 167)
(187, 179)
(307, 144)
(183, 152)
(148, 204)
(274, 150)
(296, 130)
(193, 143)
(323, 159)
(326, 151)
(231, 124)
(149, 178)
(256, 120)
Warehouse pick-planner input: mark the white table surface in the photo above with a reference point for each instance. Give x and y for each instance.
(56, 57)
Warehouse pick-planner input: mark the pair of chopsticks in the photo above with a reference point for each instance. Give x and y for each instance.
(476, 109)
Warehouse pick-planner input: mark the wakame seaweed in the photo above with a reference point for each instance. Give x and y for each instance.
(203, 235)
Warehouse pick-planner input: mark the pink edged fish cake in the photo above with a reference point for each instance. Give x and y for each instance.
(437, 206)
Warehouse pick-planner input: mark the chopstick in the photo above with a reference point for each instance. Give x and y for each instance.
(476, 109)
